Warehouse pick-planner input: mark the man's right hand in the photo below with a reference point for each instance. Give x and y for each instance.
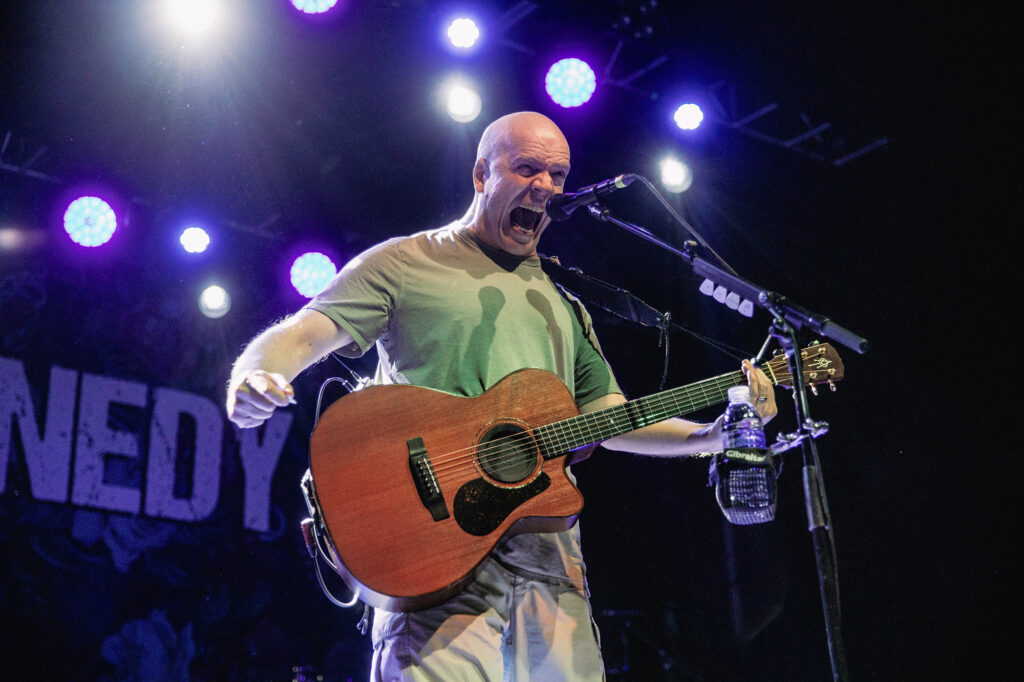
(254, 395)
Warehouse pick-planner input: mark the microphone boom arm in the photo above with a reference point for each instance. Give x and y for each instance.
(787, 319)
(775, 303)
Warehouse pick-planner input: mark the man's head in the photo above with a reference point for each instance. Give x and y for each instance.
(522, 161)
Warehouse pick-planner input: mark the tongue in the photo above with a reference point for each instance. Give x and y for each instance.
(524, 218)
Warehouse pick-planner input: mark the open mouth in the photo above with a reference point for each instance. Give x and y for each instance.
(525, 219)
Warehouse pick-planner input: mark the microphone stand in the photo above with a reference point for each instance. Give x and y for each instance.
(787, 318)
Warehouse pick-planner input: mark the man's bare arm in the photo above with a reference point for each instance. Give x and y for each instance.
(679, 437)
(262, 374)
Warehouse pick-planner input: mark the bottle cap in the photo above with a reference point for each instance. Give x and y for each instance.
(739, 394)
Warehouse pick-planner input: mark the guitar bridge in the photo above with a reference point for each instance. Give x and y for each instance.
(426, 481)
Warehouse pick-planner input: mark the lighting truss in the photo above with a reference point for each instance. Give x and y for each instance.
(818, 141)
(22, 158)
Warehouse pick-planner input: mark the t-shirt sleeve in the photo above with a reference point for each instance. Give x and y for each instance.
(594, 378)
(361, 299)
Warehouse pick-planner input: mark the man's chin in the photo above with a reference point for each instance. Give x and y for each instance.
(520, 243)
(518, 248)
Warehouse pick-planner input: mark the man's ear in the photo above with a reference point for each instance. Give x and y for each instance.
(481, 171)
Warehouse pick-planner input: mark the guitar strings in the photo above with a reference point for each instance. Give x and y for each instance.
(501, 451)
(552, 439)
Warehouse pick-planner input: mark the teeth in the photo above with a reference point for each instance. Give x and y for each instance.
(535, 209)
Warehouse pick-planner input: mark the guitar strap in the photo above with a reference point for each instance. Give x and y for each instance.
(623, 304)
(608, 297)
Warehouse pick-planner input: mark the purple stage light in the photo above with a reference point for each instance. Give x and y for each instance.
(314, 6)
(311, 272)
(570, 82)
(90, 221)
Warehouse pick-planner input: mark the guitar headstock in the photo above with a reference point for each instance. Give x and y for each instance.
(819, 363)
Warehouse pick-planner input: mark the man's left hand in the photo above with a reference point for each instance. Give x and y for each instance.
(762, 393)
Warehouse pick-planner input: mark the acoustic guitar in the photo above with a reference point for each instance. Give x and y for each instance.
(410, 488)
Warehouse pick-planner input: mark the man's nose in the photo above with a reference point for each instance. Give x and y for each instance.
(543, 183)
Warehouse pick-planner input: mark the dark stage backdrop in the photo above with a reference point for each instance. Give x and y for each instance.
(143, 537)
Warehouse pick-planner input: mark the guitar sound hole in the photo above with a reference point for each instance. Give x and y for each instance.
(507, 453)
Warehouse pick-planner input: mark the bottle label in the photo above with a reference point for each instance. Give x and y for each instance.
(754, 456)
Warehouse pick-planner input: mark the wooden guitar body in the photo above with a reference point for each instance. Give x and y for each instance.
(411, 488)
(389, 547)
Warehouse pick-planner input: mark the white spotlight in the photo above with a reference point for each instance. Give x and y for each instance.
(463, 103)
(463, 32)
(676, 176)
(193, 16)
(214, 302)
(194, 239)
(688, 117)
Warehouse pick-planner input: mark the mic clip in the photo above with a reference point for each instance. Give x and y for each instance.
(788, 441)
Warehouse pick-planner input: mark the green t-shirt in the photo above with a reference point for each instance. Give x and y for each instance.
(449, 312)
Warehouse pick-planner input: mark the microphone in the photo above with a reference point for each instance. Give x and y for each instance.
(560, 206)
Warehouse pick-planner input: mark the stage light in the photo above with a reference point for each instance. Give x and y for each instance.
(314, 6)
(676, 176)
(214, 302)
(463, 102)
(311, 272)
(10, 239)
(194, 239)
(90, 221)
(463, 32)
(570, 82)
(193, 16)
(15, 238)
(688, 116)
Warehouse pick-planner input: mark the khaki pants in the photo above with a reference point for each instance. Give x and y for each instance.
(501, 627)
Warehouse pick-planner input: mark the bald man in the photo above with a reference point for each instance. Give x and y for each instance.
(457, 309)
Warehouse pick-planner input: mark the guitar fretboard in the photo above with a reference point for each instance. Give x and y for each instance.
(576, 432)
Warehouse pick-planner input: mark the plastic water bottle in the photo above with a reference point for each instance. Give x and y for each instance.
(744, 474)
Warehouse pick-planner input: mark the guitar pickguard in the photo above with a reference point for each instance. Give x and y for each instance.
(480, 507)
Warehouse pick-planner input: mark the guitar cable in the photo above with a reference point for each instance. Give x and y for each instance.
(319, 550)
(311, 526)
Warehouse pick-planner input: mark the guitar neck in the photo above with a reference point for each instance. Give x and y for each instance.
(593, 427)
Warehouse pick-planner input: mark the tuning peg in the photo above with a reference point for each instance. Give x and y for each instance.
(814, 389)
(832, 385)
